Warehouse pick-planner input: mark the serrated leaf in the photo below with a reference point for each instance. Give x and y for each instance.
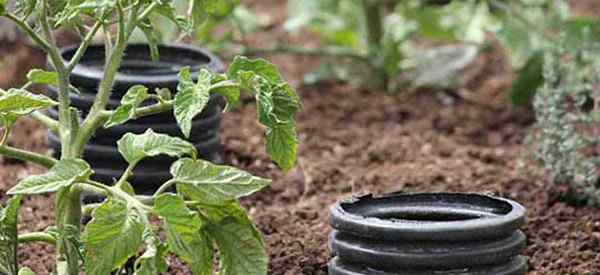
(21, 102)
(8, 236)
(276, 108)
(191, 98)
(152, 262)
(65, 173)
(282, 145)
(530, 79)
(112, 236)
(26, 271)
(42, 77)
(213, 184)
(259, 67)
(130, 101)
(217, 213)
(2, 7)
(185, 235)
(239, 249)
(134, 147)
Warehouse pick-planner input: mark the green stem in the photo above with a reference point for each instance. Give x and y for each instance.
(326, 51)
(375, 31)
(374, 20)
(37, 237)
(94, 119)
(128, 173)
(63, 83)
(23, 155)
(85, 43)
(164, 188)
(39, 40)
(47, 121)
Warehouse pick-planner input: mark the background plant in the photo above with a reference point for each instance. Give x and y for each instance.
(203, 214)
(528, 29)
(380, 35)
(565, 137)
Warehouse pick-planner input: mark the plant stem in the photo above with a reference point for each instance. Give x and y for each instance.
(94, 119)
(85, 43)
(128, 172)
(37, 237)
(63, 83)
(326, 51)
(47, 121)
(164, 188)
(39, 40)
(373, 18)
(23, 155)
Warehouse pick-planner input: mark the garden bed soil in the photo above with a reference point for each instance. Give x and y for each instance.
(357, 141)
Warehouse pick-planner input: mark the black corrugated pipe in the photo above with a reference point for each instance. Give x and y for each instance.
(426, 234)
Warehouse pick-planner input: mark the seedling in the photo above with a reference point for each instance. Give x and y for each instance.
(203, 216)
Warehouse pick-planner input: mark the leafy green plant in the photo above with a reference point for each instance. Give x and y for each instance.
(565, 136)
(203, 215)
(528, 29)
(379, 34)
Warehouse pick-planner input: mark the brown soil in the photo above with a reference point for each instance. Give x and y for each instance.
(356, 141)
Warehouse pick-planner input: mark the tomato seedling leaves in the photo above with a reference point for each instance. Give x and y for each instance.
(20, 102)
(65, 173)
(213, 184)
(42, 77)
(130, 101)
(114, 234)
(191, 98)
(260, 67)
(185, 234)
(8, 236)
(239, 249)
(134, 147)
(277, 103)
(152, 262)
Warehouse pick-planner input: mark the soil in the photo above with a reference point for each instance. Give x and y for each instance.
(357, 141)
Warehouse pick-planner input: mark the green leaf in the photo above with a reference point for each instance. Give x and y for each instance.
(213, 184)
(167, 10)
(226, 88)
(114, 234)
(130, 101)
(258, 66)
(38, 76)
(2, 7)
(282, 145)
(239, 249)
(26, 271)
(277, 103)
(134, 147)
(8, 236)
(530, 79)
(152, 262)
(21, 102)
(185, 234)
(152, 36)
(65, 173)
(276, 108)
(191, 98)
(232, 209)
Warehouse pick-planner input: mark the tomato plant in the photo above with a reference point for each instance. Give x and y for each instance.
(203, 215)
